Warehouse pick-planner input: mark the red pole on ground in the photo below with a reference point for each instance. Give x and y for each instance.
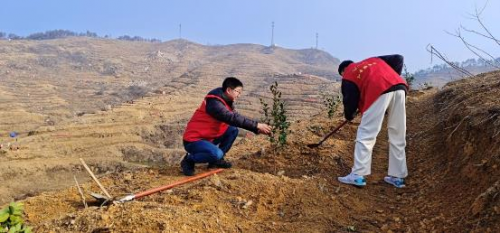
(187, 180)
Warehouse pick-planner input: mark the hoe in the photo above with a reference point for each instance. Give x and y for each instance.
(314, 145)
(109, 199)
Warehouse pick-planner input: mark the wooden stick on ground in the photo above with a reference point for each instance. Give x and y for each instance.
(95, 179)
(81, 193)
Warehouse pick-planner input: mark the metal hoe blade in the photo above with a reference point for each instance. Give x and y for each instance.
(103, 200)
(327, 136)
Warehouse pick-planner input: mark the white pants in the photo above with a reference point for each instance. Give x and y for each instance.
(371, 123)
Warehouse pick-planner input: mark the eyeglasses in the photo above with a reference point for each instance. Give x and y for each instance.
(238, 91)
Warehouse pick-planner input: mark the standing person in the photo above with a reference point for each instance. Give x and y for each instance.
(373, 87)
(214, 126)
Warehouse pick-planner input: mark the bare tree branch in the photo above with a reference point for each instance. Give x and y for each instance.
(477, 17)
(481, 53)
(478, 33)
(471, 48)
(434, 51)
(484, 7)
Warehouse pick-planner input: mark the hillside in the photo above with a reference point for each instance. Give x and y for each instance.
(453, 148)
(125, 120)
(120, 104)
(45, 82)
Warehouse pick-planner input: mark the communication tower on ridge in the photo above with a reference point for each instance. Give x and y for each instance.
(317, 37)
(272, 35)
(180, 31)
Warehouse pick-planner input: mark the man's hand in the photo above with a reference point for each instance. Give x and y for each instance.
(350, 118)
(264, 128)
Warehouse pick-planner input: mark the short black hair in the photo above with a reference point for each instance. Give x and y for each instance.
(343, 65)
(232, 83)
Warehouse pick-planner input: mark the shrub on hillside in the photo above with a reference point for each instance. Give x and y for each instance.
(276, 118)
(137, 38)
(426, 86)
(409, 77)
(332, 102)
(13, 36)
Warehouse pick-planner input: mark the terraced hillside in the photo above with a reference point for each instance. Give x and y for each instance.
(453, 147)
(45, 82)
(120, 104)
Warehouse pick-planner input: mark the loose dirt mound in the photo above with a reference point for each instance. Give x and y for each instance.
(235, 201)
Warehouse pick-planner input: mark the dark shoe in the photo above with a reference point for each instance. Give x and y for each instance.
(187, 166)
(220, 164)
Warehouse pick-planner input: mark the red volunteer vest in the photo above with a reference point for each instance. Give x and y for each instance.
(372, 77)
(203, 126)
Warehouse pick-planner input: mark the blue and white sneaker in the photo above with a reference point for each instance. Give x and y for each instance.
(397, 182)
(353, 179)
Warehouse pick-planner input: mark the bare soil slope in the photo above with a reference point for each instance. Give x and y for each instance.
(45, 82)
(122, 104)
(454, 148)
(68, 100)
(453, 187)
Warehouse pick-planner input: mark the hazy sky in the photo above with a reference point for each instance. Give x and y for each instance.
(353, 29)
